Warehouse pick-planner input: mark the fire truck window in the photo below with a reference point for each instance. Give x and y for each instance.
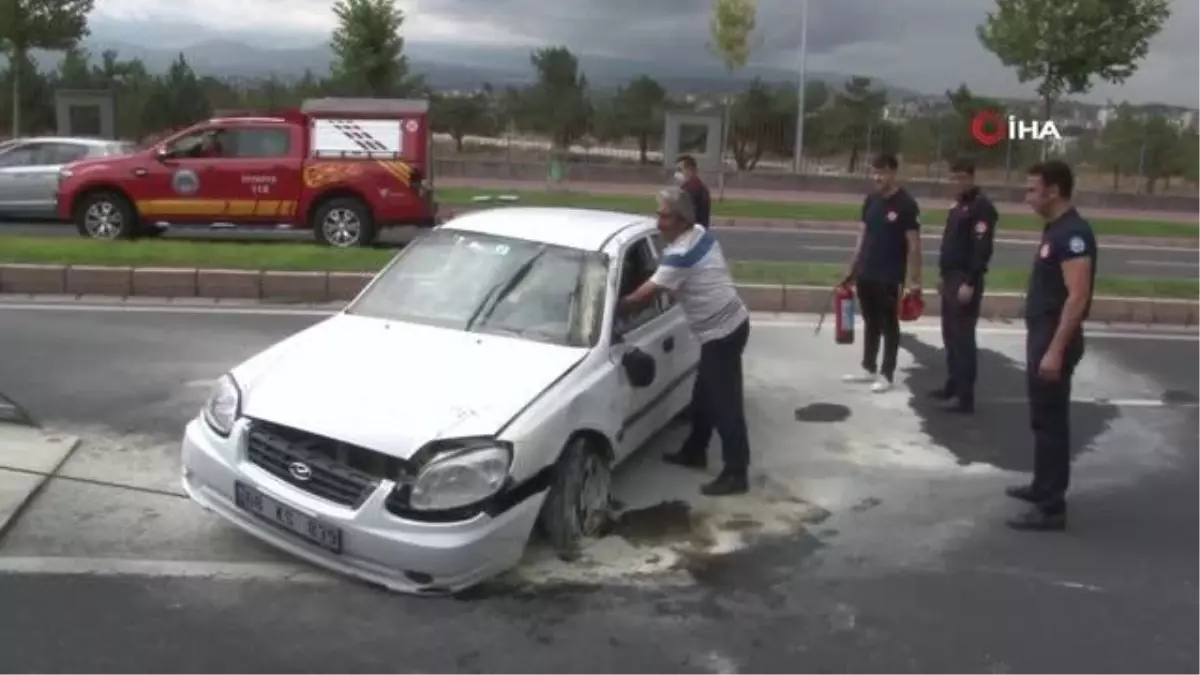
(259, 143)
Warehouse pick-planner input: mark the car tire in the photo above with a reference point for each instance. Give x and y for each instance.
(344, 222)
(106, 215)
(579, 503)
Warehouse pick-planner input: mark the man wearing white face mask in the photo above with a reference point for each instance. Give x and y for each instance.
(688, 177)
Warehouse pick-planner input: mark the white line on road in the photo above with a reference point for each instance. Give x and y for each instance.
(1163, 263)
(237, 571)
(1092, 400)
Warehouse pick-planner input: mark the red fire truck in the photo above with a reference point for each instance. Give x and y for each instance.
(343, 168)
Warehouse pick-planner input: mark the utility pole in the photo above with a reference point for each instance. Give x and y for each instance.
(798, 161)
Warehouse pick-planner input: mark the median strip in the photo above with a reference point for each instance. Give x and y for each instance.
(769, 287)
(749, 212)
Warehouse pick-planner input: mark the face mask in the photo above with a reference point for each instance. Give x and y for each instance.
(679, 177)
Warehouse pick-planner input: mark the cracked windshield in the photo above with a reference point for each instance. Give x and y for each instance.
(720, 336)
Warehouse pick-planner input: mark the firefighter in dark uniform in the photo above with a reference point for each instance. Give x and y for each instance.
(963, 262)
(1057, 302)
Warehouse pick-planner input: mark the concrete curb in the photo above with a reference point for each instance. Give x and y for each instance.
(323, 287)
(721, 222)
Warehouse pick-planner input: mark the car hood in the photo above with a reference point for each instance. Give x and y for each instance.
(394, 387)
(100, 164)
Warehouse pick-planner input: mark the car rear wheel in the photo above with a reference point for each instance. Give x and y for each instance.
(106, 215)
(344, 222)
(579, 504)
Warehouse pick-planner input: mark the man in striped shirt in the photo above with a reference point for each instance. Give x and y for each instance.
(694, 271)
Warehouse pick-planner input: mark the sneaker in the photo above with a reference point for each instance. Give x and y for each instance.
(859, 378)
(881, 385)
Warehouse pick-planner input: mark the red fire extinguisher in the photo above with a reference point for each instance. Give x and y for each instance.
(843, 311)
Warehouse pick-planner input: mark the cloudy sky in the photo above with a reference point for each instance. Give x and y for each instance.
(928, 45)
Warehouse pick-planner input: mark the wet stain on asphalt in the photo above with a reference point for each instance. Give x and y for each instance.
(999, 434)
(823, 412)
(663, 523)
(1178, 396)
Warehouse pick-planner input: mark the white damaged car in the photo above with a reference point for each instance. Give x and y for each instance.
(480, 384)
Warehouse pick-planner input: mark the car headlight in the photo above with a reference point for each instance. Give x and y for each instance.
(224, 405)
(461, 478)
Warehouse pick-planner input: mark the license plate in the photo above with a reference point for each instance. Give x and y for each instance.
(325, 536)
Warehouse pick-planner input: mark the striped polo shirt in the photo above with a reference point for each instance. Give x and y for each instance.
(694, 270)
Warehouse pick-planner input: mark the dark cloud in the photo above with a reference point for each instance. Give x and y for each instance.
(924, 44)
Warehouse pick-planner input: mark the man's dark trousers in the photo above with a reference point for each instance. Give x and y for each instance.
(1049, 415)
(879, 304)
(959, 323)
(717, 402)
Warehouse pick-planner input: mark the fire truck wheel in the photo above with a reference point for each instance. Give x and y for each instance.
(344, 222)
(106, 215)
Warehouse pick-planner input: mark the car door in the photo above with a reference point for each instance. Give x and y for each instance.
(41, 178)
(650, 330)
(14, 160)
(178, 186)
(257, 175)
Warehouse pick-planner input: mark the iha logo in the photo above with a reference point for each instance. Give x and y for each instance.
(990, 128)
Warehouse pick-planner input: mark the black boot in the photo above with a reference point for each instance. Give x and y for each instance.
(728, 483)
(944, 394)
(1040, 519)
(686, 459)
(961, 405)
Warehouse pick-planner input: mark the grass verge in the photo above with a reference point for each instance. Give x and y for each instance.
(747, 208)
(310, 257)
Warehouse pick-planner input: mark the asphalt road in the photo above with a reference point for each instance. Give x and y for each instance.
(908, 570)
(772, 245)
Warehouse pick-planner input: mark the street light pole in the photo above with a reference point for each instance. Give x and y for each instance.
(798, 162)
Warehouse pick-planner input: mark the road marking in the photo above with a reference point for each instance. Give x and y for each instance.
(1163, 263)
(1100, 400)
(238, 571)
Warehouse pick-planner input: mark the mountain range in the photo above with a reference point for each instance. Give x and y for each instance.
(445, 66)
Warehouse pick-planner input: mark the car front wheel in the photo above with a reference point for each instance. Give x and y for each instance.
(106, 215)
(579, 504)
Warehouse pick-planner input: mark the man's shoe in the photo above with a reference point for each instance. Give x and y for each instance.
(882, 384)
(1024, 493)
(686, 459)
(1039, 520)
(943, 394)
(727, 484)
(864, 377)
(958, 405)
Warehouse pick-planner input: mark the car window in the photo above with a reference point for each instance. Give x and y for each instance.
(637, 266)
(665, 300)
(60, 153)
(258, 142)
(198, 144)
(468, 281)
(21, 155)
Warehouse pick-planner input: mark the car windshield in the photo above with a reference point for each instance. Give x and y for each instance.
(477, 282)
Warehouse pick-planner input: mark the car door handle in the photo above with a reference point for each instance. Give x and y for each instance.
(669, 344)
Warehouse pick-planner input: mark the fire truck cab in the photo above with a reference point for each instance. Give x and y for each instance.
(344, 168)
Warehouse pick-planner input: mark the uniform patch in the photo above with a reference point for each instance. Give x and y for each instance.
(892, 216)
(1076, 245)
(981, 227)
(1045, 253)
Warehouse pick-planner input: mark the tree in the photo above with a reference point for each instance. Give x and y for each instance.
(462, 115)
(37, 24)
(640, 111)
(1120, 144)
(177, 99)
(558, 103)
(1162, 152)
(755, 114)
(1066, 45)
(859, 107)
(74, 72)
(731, 27)
(368, 50)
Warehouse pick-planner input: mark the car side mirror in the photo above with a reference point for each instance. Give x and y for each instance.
(163, 154)
(640, 367)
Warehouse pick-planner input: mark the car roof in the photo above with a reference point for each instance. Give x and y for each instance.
(77, 140)
(583, 229)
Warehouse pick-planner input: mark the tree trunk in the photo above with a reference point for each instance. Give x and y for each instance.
(458, 142)
(1047, 111)
(15, 64)
(644, 148)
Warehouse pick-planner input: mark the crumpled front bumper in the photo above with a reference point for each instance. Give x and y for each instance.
(378, 547)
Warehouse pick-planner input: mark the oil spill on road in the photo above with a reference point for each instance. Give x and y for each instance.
(996, 435)
(822, 413)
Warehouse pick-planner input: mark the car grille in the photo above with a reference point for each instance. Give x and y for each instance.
(339, 472)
